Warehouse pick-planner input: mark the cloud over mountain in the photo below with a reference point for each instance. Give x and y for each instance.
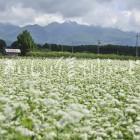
(120, 14)
(69, 33)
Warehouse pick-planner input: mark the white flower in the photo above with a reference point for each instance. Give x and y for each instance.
(63, 98)
(9, 112)
(130, 111)
(2, 117)
(50, 102)
(25, 131)
(50, 136)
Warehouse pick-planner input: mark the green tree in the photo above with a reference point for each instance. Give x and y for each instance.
(47, 46)
(26, 42)
(15, 45)
(2, 46)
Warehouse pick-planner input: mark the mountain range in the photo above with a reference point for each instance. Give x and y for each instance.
(69, 33)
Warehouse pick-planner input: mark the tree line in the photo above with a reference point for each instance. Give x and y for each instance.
(104, 49)
(26, 43)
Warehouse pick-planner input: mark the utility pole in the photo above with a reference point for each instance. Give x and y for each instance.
(98, 47)
(137, 43)
(61, 46)
(50, 47)
(72, 47)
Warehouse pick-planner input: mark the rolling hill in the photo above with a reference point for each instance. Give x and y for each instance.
(69, 33)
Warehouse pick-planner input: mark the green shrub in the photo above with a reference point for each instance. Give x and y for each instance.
(79, 55)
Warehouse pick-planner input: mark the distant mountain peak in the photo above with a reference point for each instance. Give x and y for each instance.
(69, 33)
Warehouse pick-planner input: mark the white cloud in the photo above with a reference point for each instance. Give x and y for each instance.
(107, 13)
(44, 19)
(17, 15)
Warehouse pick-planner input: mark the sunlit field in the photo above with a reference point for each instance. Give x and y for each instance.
(69, 99)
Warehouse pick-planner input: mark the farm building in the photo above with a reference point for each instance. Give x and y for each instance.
(13, 52)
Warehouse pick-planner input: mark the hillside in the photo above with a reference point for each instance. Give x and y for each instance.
(69, 33)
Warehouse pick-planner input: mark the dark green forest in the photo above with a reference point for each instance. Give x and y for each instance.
(104, 49)
(26, 44)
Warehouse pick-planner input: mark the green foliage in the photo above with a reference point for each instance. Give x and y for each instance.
(104, 49)
(15, 45)
(2, 46)
(79, 55)
(14, 135)
(27, 122)
(69, 99)
(25, 42)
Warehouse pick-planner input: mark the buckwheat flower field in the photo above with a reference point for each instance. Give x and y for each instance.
(69, 99)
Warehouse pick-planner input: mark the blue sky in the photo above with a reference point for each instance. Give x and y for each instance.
(121, 14)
